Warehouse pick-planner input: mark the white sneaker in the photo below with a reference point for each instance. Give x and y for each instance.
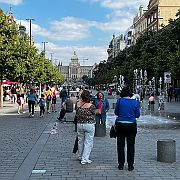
(86, 161)
(32, 115)
(18, 112)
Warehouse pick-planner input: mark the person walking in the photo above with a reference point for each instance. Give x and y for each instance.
(32, 99)
(151, 102)
(127, 110)
(48, 95)
(13, 94)
(54, 92)
(170, 93)
(85, 127)
(42, 105)
(19, 102)
(102, 104)
(63, 95)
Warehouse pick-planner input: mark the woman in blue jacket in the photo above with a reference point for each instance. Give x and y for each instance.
(127, 110)
(32, 99)
(102, 104)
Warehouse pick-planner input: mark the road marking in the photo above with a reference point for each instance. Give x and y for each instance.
(35, 171)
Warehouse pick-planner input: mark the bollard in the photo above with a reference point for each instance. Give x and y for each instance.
(100, 130)
(166, 150)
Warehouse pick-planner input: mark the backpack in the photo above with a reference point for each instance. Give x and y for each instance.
(49, 97)
(54, 94)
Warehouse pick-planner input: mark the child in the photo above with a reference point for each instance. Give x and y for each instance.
(42, 105)
(19, 102)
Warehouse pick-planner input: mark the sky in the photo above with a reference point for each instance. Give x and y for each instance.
(84, 26)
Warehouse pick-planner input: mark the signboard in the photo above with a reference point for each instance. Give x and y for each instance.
(167, 77)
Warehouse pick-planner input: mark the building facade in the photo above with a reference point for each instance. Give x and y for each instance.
(139, 24)
(116, 45)
(129, 36)
(75, 72)
(159, 12)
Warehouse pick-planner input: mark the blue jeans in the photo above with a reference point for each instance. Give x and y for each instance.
(100, 118)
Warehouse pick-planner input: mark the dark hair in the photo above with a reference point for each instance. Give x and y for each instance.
(99, 93)
(42, 95)
(32, 90)
(126, 91)
(85, 95)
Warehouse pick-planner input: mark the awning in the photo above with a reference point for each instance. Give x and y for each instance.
(9, 82)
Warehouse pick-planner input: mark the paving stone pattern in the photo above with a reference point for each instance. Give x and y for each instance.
(27, 145)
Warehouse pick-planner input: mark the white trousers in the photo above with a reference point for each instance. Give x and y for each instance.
(85, 140)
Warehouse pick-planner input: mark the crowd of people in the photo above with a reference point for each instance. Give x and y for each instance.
(91, 110)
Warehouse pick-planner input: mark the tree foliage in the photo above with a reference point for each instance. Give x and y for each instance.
(155, 52)
(20, 61)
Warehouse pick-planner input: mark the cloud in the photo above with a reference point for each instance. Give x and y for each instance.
(121, 16)
(120, 4)
(13, 2)
(70, 28)
(64, 53)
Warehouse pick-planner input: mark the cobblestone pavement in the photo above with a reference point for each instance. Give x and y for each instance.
(28, 151)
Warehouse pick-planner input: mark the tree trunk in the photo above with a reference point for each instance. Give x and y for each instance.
(1, 95)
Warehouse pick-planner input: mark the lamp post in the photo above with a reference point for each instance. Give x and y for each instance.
(30, 29)
(52, 57)
(44, 48)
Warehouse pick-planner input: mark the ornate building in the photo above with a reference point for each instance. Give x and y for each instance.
(75, 72)
(116, 45)
(139, 24)
(160, 11)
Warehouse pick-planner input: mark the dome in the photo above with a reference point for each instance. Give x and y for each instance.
(74, 56)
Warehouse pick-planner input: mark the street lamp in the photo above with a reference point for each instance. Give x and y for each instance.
(44, 48)
(30, 28)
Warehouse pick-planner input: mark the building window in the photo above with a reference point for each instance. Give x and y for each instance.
(155, 15)
(152, 18)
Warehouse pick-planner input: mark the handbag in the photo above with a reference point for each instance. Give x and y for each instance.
(75, 119)
(113, 132)
(75, 148)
